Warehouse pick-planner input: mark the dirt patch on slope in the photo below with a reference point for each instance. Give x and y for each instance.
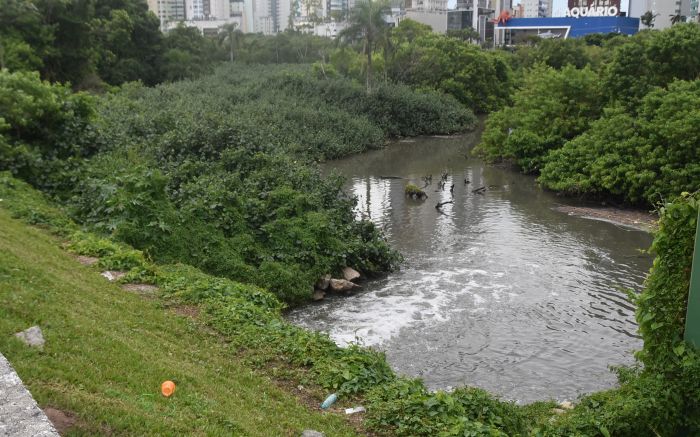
(61, 420)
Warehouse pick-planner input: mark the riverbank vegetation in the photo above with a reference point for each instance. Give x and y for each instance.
(208, 189)
(657, 399)
(219, 173)
(621, 124)
(108, 350)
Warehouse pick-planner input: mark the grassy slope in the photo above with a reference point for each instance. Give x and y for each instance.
(108, 351)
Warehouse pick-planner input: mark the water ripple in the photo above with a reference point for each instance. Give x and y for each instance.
(498, 290)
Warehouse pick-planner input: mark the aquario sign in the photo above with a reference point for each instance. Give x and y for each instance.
(593, 11)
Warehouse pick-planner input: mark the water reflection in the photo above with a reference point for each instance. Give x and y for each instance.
(499, 290)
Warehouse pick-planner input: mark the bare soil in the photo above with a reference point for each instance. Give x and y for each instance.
(146, 290)
(191, 311)
(87, 260)
(61, 420)
(634, 218)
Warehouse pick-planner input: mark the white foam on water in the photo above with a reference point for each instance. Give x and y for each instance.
(411, 298)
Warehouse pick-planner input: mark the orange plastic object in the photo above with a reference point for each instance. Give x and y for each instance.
(167, 388)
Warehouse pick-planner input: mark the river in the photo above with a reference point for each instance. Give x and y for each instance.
(498, 290)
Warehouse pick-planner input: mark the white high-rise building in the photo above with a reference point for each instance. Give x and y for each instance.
(664, 10)
(168, 11)
(271, 16)
(536, 8)
(252, 16)
(428, 5)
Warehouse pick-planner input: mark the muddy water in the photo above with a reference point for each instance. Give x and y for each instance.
(498, 290)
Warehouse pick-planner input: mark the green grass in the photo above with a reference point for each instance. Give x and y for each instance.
(108, 350)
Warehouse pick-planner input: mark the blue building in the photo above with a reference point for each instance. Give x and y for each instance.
(517, 29)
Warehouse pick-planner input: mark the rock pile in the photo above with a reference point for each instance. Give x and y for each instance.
(327, 284)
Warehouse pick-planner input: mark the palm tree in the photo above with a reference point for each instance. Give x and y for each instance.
(466, 34)
(229, 34)
(648, 18)
(677, 18)
(366, 21)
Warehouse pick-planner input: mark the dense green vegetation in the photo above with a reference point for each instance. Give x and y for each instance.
(44, 129)
(642, 158)
(218, 172)
(209, 189)
(620, 122)
(412, 54)
(92, 44)
(659, 399)
(567, 99)
(108, 350)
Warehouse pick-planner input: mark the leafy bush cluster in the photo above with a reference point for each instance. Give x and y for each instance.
(640, 158)
(408, 408)
(552, 108)
(479, 79)
(109, 42)
(217, 172)
(45, 130)
(412, 54)
(624, 127)
(398, 111)
(558, 53)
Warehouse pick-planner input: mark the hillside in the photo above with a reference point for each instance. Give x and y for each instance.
(107, 351)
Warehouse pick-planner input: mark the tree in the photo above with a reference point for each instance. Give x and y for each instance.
(229, 34)
(409, 30)
(552, 107)
(638, 157)
(560, 52)
(674, 53)
(479, 79)
(24, 39)
(648, 18)
(45, 129)
(466, 34)
(129, 40)
(81, 40)
(187, 53)
(366, 21)
(310, 10)
(677, 18)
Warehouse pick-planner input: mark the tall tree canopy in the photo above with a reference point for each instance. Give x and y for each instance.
(366, 23)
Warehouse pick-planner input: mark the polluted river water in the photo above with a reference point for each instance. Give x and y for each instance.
(498, 290)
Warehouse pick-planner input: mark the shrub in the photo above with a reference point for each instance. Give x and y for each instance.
(552, 107)
(45, 130)
(224, 180)
(407, 408)
(641, 159)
